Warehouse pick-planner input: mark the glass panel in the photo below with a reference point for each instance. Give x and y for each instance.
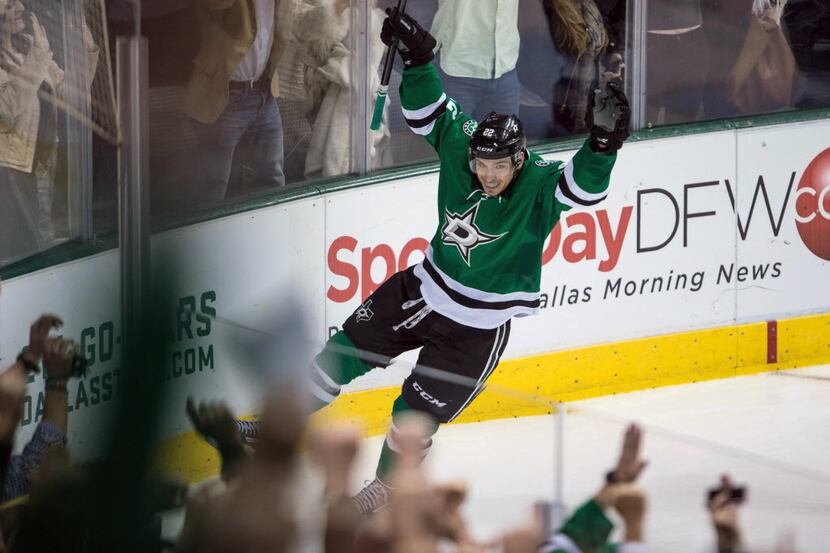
(241, 110)
(566, 47)
(806, 23)
(534, 59)
(709, 59)
(54, 80)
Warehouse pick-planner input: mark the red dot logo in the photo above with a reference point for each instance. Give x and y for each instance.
(812, 206)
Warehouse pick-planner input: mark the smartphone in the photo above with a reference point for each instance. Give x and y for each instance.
(737, 495)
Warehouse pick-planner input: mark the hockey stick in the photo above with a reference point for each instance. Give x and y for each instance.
(388, 62)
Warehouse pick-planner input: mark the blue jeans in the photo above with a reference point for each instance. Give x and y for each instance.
(478, 97)
(245, 141)
(18, 215)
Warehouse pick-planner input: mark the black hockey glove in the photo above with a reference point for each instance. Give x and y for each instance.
(607, 118)
(414, 43)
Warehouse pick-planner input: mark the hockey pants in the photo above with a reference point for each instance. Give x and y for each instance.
(453, 365)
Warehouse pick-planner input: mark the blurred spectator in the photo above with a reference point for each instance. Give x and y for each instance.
(12, 391)
(808, 29)
(478, 43)
(261, 509)
(751, 65)
(591, 34)
(217, 425)
(57, 355)
(725, 23)
(677, 60)
(232, 94)
(28, 125)
(539, 67)
(334, 451)
(588, 528)
(723, 511)
(763, 76)
(319, 63)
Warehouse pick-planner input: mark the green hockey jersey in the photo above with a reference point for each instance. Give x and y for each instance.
(484, 263)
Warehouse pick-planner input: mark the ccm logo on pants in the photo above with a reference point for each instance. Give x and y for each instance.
(426, 396)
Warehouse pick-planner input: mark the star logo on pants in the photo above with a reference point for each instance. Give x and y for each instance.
(364, 313)
(462, 232)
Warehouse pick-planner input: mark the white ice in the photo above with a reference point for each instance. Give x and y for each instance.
(769, 431)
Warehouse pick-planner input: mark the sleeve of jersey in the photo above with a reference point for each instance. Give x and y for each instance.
(584, 179)
(586, 531)
(426, 108)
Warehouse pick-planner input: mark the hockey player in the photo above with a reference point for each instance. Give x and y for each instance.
(497, 203)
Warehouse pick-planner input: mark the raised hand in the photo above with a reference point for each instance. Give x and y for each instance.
(724, 515)
(39, 38)
(630, 465)
(58, 354)
(38, 333)
(630, 503)
(215, 422)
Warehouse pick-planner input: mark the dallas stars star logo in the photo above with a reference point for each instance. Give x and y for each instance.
(462, 232)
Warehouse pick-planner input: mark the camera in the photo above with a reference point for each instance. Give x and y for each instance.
(736, 494)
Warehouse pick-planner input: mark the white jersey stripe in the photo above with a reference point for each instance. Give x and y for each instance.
(425, 111)
(577, 190)
(326, 378)
(562, 199)
(477, 318)
(320, 393)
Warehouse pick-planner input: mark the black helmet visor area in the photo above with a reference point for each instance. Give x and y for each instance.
(498, 136)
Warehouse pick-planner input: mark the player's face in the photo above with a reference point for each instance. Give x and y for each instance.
(494, 174)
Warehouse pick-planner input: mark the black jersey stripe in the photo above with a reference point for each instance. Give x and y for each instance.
(500, 343)
(566, 191)
(420, 123)
(471, 303)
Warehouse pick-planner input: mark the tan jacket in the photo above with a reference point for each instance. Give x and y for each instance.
(19, 104)
(227, 30)
(19, 120)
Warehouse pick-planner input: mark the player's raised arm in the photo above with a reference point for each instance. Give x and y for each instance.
(584, 181)
(427, 109)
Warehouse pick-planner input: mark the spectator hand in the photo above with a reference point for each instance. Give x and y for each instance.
(334, 450)
(38, 333)
(724, 515)
(630, 465)
(57, 359)
(630, 503)
(527, 538)
(608, 118)
(35, 64)
(449, 519)
(215, 422)
(414, 43)
(613, 66)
